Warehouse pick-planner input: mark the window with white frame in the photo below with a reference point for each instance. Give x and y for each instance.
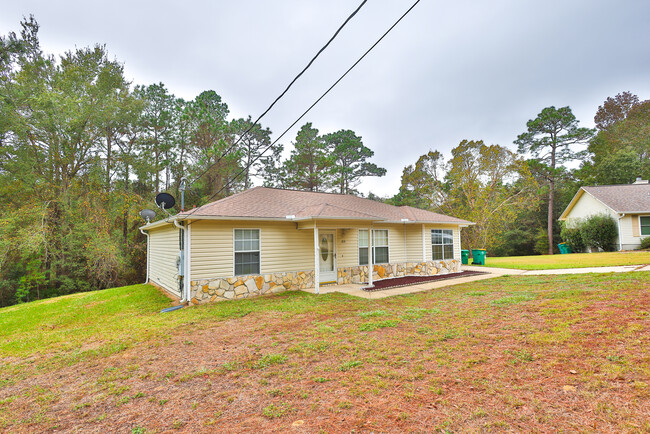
(247, 251)
(379, 246)
(442, 244)
(644, 223)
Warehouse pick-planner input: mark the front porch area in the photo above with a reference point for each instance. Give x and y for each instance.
(356, 290)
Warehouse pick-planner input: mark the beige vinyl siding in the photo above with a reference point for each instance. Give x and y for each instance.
(413, 242)
(347, 246)
(163, 251)
(631, 232)
(283, 247)
(587, 206)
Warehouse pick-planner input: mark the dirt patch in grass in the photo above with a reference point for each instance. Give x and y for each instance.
(570, 355)
(396, 282)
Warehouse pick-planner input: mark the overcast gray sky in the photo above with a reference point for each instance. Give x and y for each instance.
(450, 71)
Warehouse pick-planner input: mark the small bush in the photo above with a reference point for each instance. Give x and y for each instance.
(573, 237)
(645, 243)
(600, 231)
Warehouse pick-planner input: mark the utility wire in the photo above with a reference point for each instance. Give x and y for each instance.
(312, 106)
(282, 94)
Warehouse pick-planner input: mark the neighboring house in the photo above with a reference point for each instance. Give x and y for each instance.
(628, 204)
(270, 240)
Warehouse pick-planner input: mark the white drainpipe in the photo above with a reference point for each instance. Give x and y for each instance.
(316, 261)
(147, 235)
(620, 237)
(371, 267)
(188, 262)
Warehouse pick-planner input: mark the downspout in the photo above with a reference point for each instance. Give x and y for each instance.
(620, 236)
(188, 262)
(371, 257)
(184, 293)
(316, 261)
(424, 245)
(147, 235)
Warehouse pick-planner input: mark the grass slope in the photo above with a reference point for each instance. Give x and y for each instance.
(522, 353)
(573, 260)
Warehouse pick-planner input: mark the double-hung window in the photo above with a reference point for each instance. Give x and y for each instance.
(379, 246)
(247, 251)
(644, 222)
(442, 244)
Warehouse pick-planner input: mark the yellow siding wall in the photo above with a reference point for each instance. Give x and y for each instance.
(283, 247)
(347, 245)
(414, 243)
(163, 250)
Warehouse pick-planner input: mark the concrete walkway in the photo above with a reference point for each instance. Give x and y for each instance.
(512, 271)
(357, 291)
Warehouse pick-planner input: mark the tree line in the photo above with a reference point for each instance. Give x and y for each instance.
(83, 150)
(515, 199)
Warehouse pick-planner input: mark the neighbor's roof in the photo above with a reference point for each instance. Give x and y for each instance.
(626, 198)
(274, 203)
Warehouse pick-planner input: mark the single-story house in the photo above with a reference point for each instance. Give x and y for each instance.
(270, 240)
(628, 204)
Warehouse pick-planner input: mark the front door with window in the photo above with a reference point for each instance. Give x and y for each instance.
(327, 257)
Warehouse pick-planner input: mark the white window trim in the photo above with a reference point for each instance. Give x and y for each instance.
(234, 252)
(640, 228)
(453, 244)
(373, 247)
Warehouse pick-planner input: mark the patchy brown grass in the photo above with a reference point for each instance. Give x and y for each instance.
(528, 354)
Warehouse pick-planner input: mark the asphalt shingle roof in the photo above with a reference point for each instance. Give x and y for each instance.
(623, 198)
(263, 202)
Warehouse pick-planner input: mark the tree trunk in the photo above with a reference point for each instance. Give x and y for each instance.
(109, 147)
(551, 192)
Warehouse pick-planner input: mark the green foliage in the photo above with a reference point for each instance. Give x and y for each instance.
(599, 231)
(82, 151)
(335, 161)
(488, 185)
(645, 243)
(350, 163)
(541, 242)
(572, 235)
(551, 139)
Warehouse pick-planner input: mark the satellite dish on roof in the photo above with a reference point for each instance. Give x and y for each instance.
(148, 214)
(165, 200)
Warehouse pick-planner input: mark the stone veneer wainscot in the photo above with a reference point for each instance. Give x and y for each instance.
(219, 289)
(230, 288)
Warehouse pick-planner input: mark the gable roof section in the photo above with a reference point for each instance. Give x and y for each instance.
(626, 198)
(274, 203)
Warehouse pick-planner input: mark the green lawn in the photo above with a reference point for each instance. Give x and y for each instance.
(573, 260)
(514, 353)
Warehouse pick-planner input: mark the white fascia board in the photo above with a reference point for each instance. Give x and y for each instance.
(156, 224)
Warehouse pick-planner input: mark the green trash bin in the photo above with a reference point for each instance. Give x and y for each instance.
(479, 256)
(564, 248)
(464, 256)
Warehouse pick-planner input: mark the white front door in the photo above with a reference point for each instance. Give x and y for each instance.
(327, 256)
